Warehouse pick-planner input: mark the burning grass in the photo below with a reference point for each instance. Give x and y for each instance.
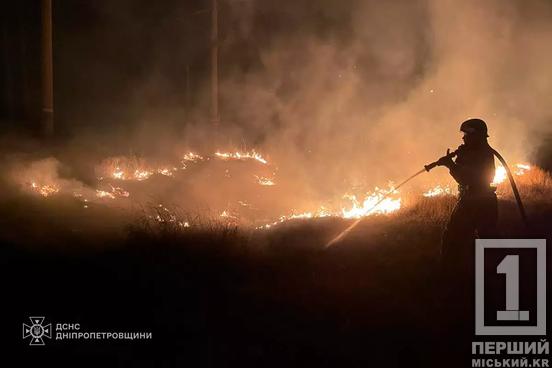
(267, 289)
(124, 168)
(161, 220)
(130, 183)
(248, 155)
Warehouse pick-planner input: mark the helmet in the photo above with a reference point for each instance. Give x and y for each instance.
(474, 126)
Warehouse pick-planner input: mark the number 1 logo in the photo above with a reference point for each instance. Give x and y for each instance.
(509, 266)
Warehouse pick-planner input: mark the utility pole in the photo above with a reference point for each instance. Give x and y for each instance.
(188, 92)
(214, 63)
(47, 70)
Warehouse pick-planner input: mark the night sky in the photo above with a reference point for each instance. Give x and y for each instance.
(104, 51)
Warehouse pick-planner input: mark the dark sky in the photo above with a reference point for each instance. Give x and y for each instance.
(104, 52)
(114, 59)
(122, 65)
(108, 53)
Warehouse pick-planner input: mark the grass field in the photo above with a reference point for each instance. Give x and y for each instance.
(217, 295)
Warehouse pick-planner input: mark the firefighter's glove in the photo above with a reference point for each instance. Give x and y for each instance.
(446, 160)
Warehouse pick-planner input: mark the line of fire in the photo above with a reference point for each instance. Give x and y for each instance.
(257, 183)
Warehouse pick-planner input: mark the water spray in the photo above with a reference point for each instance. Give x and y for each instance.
(428, 168)
(385, 196)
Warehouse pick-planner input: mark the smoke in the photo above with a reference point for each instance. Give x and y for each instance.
(341, 96)
(43, 176)
(381, 88)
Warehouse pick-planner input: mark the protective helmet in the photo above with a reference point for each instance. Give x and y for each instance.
(474, 126)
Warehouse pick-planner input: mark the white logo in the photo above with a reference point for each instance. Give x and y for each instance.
(37, 330)
(511, 318)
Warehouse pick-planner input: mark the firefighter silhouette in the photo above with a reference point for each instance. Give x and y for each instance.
(475, 213)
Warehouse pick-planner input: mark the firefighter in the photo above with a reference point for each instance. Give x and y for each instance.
(474, 215)
(476, 212)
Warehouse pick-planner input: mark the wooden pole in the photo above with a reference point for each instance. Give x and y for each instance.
(214, 63)
(47, 70)
(188, 91)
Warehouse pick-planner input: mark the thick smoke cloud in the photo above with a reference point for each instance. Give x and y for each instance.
(340, 95)
(381, 87)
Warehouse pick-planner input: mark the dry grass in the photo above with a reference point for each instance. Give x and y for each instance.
(371, 300)
(534, 186)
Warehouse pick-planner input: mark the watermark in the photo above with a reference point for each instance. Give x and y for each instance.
(511, 353)
(37, 330)
(510, 299)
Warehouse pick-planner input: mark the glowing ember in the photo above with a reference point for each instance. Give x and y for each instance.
(139, 174)
(438, 191)
(167, 171)
(165, 216)
(193, 157)
(296, 216)
(252, 155)
(118, 174)
(115, 192)
(142, 174)
(522, 169)
(119, 192)
(227, 214)
(265, 181)
(125, 168)
(44, 190)
(104, 194)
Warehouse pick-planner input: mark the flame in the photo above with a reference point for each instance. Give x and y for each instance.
(227, 214)
(132, 168)
(118, 174)
(350, 206)
(165, 216)
(438, 191)
(370, 205)
(45, 190)
(167, 171)
(139, 174)
(191, 156)
(265, 181)
(522, 169)
(104, 194)
(115, 192)
(142, 174)
(322, 212)
(251, 155)
(501, 175)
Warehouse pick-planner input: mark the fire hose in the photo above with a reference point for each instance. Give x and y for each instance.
(428, 168)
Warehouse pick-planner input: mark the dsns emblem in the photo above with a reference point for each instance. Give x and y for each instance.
(37, 330)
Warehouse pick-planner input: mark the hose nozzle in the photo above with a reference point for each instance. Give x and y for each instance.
(430, 166)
